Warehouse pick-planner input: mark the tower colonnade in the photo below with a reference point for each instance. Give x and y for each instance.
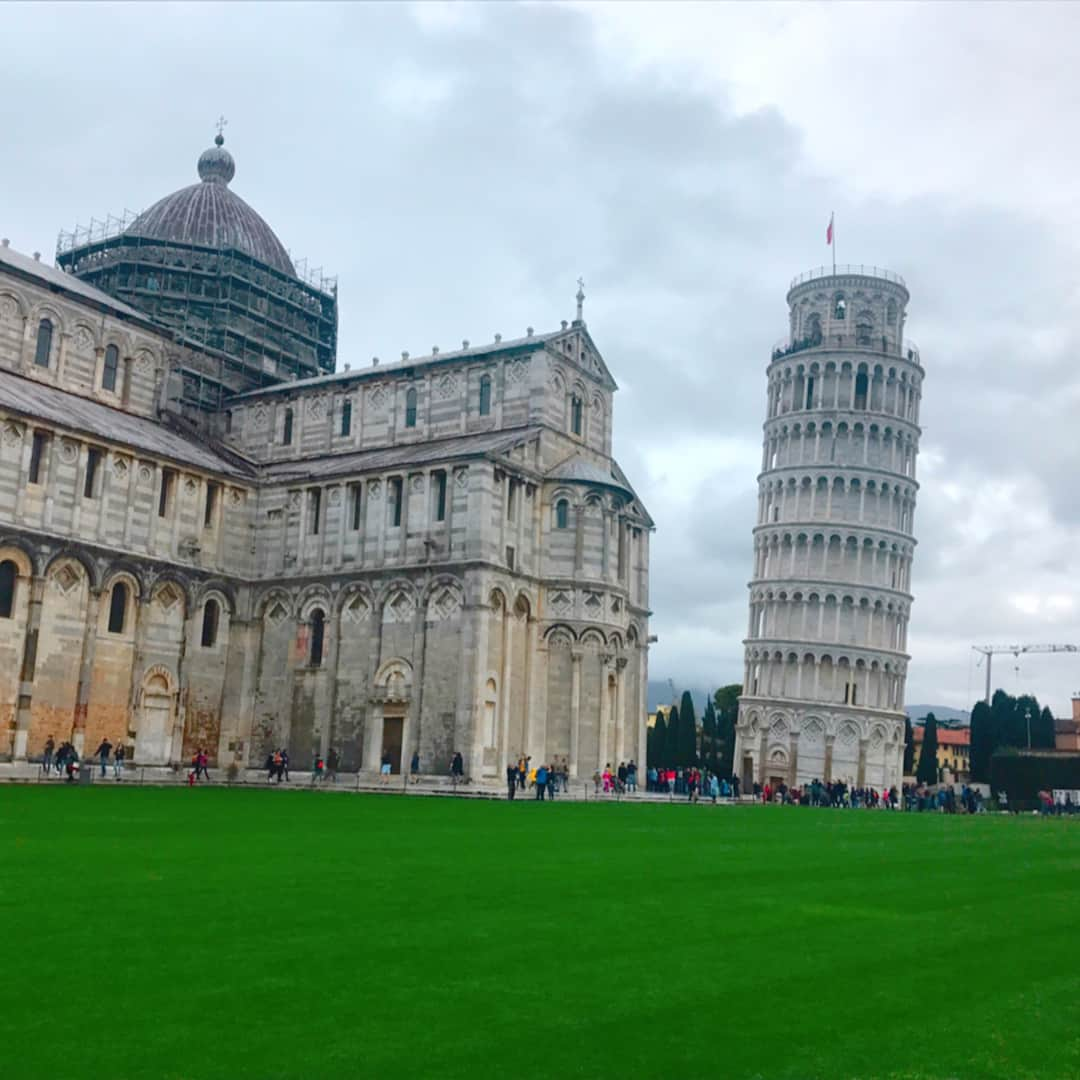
(830, 598)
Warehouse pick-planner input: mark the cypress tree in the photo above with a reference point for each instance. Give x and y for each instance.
(928, 770)
(671, 740)
(1003, 711)
(1026, 704)
(982, 742)
(688, 731)
(909, 747)
(657, 741)
(1042, 734)
(727, 710)
(708, 736)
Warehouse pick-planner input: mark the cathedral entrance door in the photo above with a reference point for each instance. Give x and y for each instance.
(393, 726)
(153, 738)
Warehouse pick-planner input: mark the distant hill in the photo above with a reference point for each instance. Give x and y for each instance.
(660, 694)
(950, 717)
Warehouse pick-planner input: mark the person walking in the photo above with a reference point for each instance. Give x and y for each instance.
(457, 767)
(47, 757)
(332, 762)
(285, 763)
(414, 768)
(278, 766)
(384, 769)
(631, 777)
(541, 782)
(103, 754)
(316, 770)
(118, 762)
(201, 761)
(511, 781)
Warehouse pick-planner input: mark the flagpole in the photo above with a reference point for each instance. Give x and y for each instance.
(832, 221)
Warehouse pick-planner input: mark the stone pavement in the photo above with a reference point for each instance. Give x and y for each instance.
(164, 776)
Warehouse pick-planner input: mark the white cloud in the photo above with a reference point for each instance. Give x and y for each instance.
(459, 166)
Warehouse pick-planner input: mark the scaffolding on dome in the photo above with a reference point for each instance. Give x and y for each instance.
(262, 325)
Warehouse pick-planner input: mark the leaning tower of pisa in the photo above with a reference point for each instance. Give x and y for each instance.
(823, 692)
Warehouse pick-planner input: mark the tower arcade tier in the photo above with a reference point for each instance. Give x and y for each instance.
(826, 660)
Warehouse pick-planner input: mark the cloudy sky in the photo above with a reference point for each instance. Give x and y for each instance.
(458, 167)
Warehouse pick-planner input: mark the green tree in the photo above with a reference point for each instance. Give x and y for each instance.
(928, 770)
(1003, 711)
(1042, 735)
(671, 740)
(982, 742)
(909, 747)
(708, 736)
(1026, 714)
(657, 741)
(726, 700)
(688, 731)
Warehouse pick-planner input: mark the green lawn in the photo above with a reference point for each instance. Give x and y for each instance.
(213, 933)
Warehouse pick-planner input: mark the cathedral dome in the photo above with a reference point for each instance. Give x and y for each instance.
(209, 215)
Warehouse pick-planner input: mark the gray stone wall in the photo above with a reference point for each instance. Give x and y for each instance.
(484, 628)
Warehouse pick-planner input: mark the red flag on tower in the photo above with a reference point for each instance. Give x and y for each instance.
(828, 231)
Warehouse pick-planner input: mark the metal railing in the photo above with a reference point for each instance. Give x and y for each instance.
(98, 232)
(784, 346)
(848, 268)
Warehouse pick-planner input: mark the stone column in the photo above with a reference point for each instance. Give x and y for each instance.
(861, 772)
(763, 747)
(529, 740)
(23, 713)
(537, 696)
(620, 710)
(829, 740)
(504, 688)
(180, 719)
(793, 756)
(575, 711)
(605, 712)
(86, 671)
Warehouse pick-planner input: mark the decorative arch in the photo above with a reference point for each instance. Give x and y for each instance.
(559, 635)
(393, 680)
(314, 596)
(74, 555)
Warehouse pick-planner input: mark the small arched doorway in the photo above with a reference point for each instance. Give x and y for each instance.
(153, 736)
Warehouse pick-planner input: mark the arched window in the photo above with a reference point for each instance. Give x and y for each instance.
(108, 372)
(839, 306)
(118, 608)
(346, 417)
(8, 573)
(410, 408)
(318, 630)
(44, 343)
(562, 514)
(286, 436)
(813, 329)
(210, 623)
(890, 313)
(861, 383)
(575, 415)
(485, 395)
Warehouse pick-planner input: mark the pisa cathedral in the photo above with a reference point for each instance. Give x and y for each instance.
(209, 537)
(830, 599)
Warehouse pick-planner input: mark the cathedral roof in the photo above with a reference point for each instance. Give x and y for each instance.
(54, 278)
(30, 398)
(582, 471)
(390, 457)
(208, 214)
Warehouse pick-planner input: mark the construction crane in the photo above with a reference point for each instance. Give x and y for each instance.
(989, 652)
